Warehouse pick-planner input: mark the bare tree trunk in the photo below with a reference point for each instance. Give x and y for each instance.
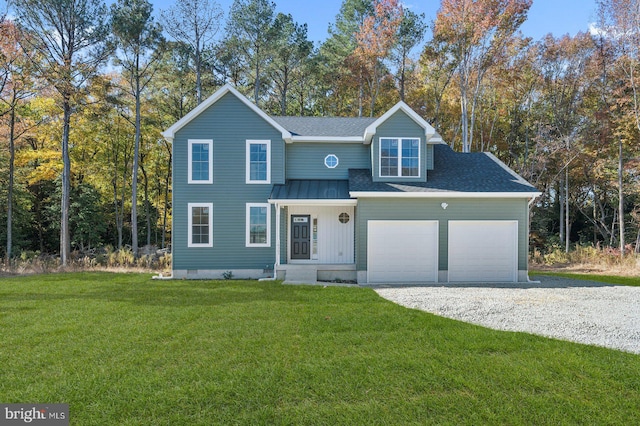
(198, 64)
(464, 116)
(167, 179)
(566, 215)
(12, 122)
(134, 174)
(147, 210)
(65, 241)
(620, 198)
(561, 196)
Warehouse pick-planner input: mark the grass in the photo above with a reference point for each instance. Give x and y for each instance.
(123, 349)
(610, 279)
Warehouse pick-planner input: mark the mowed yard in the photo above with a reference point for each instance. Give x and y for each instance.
(124, 349)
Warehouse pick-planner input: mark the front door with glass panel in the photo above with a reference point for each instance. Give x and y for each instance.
(300, 237)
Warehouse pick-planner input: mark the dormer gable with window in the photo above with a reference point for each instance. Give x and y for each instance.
(401, 146)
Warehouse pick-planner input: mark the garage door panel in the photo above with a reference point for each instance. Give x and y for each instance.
(483, 251)
(402, 251)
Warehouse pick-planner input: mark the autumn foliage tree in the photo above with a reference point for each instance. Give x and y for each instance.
(375, 39)
(477, 32)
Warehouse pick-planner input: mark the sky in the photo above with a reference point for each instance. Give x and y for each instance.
(558, 17)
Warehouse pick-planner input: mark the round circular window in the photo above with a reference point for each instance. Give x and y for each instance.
(343, 218)
(331, 161)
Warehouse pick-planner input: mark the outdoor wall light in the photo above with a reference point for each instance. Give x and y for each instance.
(444, 206)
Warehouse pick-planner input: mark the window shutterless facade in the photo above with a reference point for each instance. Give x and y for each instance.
(200, 161)
(399, 157)
(258, 225)
(200, 225)
(258, 161)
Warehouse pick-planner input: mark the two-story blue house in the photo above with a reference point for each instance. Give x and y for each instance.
(373, 200)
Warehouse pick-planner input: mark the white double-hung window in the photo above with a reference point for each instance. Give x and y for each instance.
(200, 231)
(258, 225)
(200, 161)
(258, 161)
(400, 157)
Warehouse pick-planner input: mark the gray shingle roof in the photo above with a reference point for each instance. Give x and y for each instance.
(325, 126)
(454, 172)
(311, 190)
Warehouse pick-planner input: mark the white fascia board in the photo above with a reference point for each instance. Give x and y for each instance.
(326, 139)
(448, 194)
(169, 134)
(281, 202)
(370, 131)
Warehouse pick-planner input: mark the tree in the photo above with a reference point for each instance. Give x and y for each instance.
(478, 32)
(339, 74)
(16, 85)
(410, 32)
(194, 23)
(620, 21)
(250, 29)
(291, 49)
(71, 38)
(375, 38)
(139, 38)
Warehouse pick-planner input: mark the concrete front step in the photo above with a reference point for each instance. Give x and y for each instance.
(303, 274)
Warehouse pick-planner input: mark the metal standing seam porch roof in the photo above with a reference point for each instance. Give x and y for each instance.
(302, 189)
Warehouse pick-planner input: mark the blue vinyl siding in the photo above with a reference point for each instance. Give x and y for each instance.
(229, 123)
(430, 209)
(306, 160)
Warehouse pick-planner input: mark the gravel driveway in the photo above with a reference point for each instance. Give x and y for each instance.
(579, 311)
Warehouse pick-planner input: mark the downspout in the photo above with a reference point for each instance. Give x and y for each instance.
(276, 263)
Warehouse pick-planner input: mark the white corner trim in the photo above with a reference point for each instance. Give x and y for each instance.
(444, 194)
(370, 131)
(170, 133)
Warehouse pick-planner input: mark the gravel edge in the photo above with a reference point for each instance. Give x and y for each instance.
(578, 311)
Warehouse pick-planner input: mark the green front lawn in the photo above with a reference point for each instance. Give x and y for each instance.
(609, 279)
(126, 350)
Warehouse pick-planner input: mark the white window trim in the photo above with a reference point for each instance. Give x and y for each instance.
(190, 242)
(337, 161)
(190, 160)
(248, 159)
(248, 242)
(399, 175)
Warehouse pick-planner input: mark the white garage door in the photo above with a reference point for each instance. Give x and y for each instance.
(483, 251)
(402, 251)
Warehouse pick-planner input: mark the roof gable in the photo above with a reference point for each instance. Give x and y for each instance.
(430, 133)
(169, 134)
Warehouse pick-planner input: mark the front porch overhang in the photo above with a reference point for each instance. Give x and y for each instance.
(335, 202)
(312, 192)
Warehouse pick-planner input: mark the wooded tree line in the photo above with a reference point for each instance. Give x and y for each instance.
(85, 91)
